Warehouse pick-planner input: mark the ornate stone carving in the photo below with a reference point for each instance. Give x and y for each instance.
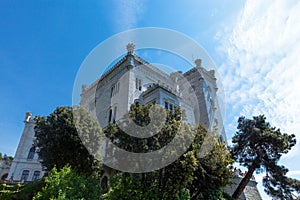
(130, 48)
(28, 116)
(198, 62)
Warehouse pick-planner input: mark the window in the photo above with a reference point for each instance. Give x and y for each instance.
(36, 175)
(31, 153)
(25, 175)
(114, 89)
(171, 107)
(138, 84)
(115, 114)
(166, 105)
(111, 91)
(109, 115)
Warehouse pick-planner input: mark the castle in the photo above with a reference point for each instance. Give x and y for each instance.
(133, 80)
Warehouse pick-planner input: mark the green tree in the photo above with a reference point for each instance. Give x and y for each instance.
(212, 174)
(19, 191)
(68, 184)
(128, 186)
(59, 142)
(258, 146)
(166, 182)
(278, 185)
(170, 181)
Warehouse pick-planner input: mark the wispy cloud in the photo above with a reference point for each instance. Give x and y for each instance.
(127, 13)
(261, 71)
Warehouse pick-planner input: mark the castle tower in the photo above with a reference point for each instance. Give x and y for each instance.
(205, 87)
(26, 166)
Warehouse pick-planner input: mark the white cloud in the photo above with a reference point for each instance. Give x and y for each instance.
(261, 70)
(294, 173)
(127, 13)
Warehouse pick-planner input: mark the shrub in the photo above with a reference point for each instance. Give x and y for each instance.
(68, 184)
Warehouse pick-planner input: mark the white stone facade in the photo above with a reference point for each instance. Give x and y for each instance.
(26, 166)
(127, 81)
(4, 170)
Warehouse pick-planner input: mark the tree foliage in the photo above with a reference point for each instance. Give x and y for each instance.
(131, 187)
(68, 184)
(259, 146)
(278, 185)
(20, 191)
(212, 173)
(189, 171)
(59, 142)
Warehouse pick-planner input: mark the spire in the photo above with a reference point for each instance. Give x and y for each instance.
(130, 48)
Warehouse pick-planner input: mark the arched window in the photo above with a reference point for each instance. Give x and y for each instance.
(31, 153)
(36, 175)
(25, 175)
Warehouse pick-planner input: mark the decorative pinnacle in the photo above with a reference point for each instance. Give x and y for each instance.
(130, 48)
(198, 62)
(28, 116)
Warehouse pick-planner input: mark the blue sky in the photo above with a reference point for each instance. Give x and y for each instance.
(254, 46)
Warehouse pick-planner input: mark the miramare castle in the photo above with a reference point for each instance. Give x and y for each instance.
(133, 80)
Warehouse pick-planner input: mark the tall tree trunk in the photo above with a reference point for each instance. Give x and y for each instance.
(239, 190)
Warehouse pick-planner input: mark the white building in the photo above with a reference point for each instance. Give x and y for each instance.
(26, 166)
(133, 80)
(4, 170)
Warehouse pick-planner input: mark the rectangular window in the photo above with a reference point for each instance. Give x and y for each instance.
(115, 114)
(36, 175)
(138, 84)
(25, 175)
(114, 89)
(109, 115)
(166, 105)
